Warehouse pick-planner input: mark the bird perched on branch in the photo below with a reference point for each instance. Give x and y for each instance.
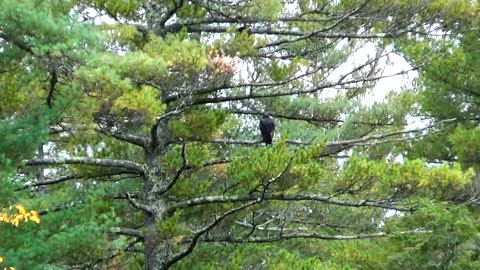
(245, 29)
(267, 128)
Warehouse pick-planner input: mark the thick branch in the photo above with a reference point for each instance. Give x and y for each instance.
(136, 140)
(154, 139)
(177, 4)
(19, 43)
(139, 206)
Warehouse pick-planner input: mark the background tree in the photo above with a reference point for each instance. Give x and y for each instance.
(447, 89)
(147, 112)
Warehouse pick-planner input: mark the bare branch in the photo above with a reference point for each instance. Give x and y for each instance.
(286, 197)
(133, 139)
(50, 181)
(308, 118)
(352, 142)
(72, 177)
(129, 165)
(177, 257)
(250, 20)
(286, 236)
(323, 32)
(179, 172)
(389, 134)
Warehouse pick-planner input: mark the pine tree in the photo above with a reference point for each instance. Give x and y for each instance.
(132, 126)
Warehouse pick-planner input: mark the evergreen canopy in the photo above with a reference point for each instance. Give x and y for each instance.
(131, 127)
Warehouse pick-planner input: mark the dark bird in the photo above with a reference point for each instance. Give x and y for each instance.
(245, 29)
(267, 128)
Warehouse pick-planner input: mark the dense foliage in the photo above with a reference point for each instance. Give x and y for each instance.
(131, 128)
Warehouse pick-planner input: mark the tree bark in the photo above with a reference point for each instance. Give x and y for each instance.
(156, 249)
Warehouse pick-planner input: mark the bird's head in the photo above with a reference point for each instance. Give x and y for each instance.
(267, 115)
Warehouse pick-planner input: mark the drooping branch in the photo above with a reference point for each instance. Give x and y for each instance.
(111, 163)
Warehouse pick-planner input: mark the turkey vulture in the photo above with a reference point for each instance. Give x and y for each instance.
(267, 128)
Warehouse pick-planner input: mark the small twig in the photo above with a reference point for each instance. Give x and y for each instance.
(179, 172)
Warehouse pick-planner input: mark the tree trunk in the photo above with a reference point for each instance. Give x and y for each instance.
(157, 250)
